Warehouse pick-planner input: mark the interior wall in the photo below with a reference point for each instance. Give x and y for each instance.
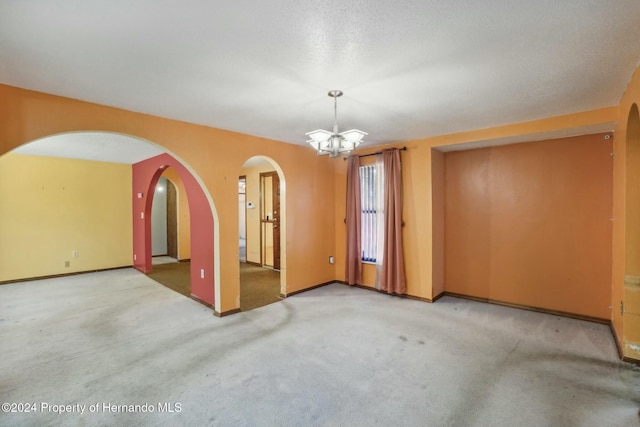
(51, 207)
(315, 184)
(184, 218)
(530, 224)
(159, 219)
(216, 156)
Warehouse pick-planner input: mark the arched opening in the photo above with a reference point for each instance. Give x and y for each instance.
(170, 234)
(262, 214)
(88, 229)
(203, 271)
(632, 198)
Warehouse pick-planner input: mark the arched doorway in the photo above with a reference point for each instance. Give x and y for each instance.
(142, 163)
(262, 213)
(170, 219)
(170, 234)
(203, 271)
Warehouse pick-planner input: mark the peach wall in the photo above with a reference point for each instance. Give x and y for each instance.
(529, 224)
(627, 326)
(216, 156)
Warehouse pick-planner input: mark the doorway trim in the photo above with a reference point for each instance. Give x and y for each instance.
(283, 219)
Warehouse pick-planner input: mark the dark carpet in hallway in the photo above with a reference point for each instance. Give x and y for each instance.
(258, 286)
(174, 275)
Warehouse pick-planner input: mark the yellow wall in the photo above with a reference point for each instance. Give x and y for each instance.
(184, 222)
(50, 207)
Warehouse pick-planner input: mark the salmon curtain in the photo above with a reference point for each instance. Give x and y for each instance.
(353, 272)
(392, 279)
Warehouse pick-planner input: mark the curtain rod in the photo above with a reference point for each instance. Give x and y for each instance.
(377, 152)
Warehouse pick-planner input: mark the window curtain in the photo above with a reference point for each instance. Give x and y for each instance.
(392, 279)
(379, 208)
(353, 270)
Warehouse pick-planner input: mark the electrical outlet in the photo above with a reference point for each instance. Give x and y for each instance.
(67, 263)
(330, 260)
(74, 254)
(202, 273)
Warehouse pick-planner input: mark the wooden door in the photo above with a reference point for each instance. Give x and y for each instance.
(270, 219)
(276, 221)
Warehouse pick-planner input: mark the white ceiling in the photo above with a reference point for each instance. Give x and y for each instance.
(409, 68)
(97, 146)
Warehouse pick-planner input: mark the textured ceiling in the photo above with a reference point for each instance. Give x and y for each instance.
(409, 69)
(97, 146)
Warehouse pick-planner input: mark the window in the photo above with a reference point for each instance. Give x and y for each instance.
(371, 181)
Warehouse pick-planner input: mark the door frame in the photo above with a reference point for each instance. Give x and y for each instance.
(275, 222)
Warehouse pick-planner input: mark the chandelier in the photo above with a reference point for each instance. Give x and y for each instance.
(334, 143)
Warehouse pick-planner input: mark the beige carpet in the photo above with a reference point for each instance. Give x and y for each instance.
(333, 356)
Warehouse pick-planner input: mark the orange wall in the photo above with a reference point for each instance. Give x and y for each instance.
(529, 224)
(216, 156)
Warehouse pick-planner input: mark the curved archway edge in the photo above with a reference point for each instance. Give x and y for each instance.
(205, 262)
(283, 220)
(145, 178)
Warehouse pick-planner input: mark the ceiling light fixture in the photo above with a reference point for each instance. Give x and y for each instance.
(334, 143)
